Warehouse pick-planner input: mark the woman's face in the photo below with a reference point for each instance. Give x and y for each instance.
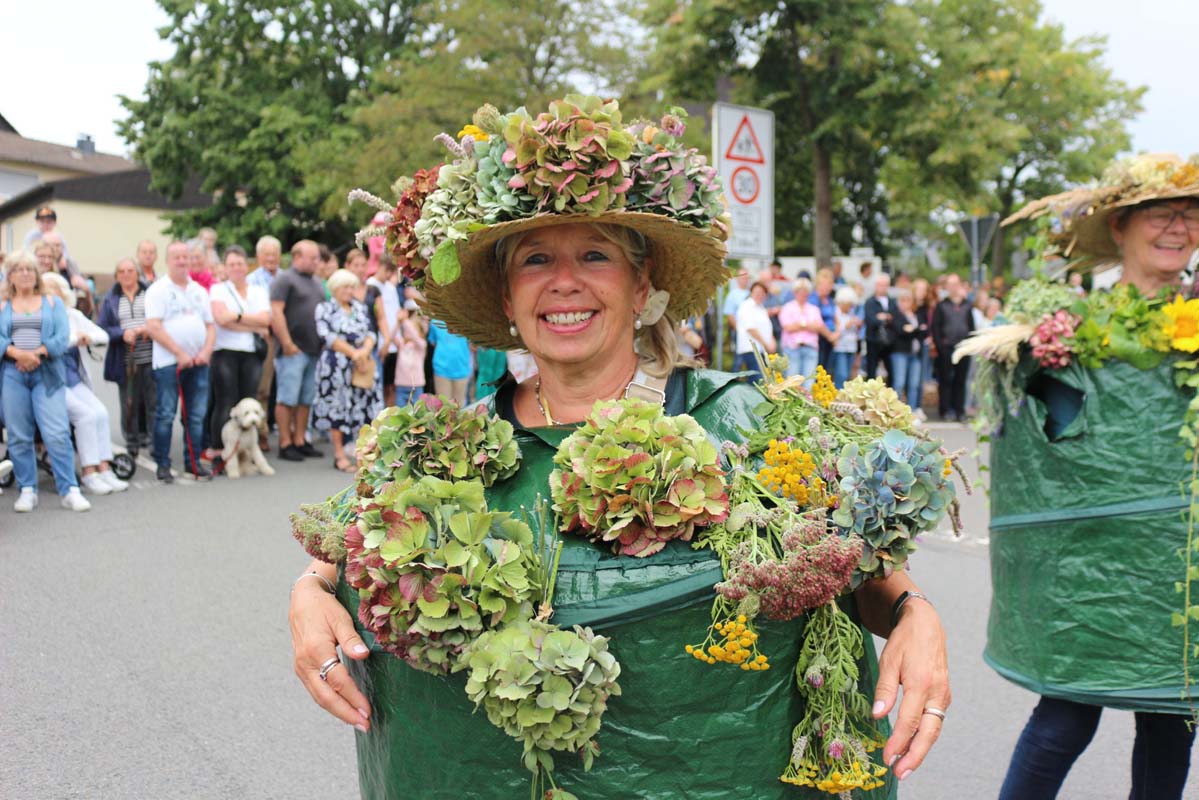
(1158, 240)
(343, 294)
(197, 261)
(824, 285)
(801, 295)
(758, 293)
(235, 268)
(573, 295)
(127, 276)
(45, 259)
(905, 303)
(23, 278)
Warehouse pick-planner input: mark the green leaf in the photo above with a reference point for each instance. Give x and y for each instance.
(444, 267)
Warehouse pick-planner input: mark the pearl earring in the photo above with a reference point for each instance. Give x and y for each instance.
(512, 330)
(637, 324)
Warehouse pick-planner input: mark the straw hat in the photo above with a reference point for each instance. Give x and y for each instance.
(577, 163)
(1084, 236)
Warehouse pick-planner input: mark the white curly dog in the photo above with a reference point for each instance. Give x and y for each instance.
(241, 454)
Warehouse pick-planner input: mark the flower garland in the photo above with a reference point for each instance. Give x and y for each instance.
(796, 520)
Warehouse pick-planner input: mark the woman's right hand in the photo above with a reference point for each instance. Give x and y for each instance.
(318, 625)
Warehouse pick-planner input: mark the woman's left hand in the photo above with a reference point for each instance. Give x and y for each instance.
(914, 658)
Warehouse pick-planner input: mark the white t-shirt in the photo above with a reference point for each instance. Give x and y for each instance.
(256, 300)
(391, 303)
(751, 316)
(184, 312)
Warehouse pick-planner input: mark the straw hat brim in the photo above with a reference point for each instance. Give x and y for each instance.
(687, 262)
(1086, 237)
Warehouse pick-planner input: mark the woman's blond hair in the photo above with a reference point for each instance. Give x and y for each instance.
(21, 258)
(340, 278)
(657, 344)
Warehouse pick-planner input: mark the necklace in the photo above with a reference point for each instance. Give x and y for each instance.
(544, 407)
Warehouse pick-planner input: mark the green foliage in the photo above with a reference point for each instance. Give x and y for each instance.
(913, 113)
(434, 437)
(892, 491)
(1120, 323)
(1033, 298)
(434, 569)
(251, 89)
(635, 477)
(546, 687)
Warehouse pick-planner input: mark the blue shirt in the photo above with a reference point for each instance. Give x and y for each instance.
(451, 356)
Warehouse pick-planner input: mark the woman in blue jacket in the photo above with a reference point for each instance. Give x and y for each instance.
(34, 335)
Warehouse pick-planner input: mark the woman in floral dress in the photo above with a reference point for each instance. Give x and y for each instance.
(344, 326)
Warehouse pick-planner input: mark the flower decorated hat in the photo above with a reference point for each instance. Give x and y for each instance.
(1084, 237)
(576, 162)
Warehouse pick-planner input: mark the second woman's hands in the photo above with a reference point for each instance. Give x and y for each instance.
(318, 625)
(915, 658)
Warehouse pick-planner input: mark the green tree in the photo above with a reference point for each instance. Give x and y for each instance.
(827, 69)
(249, 89)
(1006, 110)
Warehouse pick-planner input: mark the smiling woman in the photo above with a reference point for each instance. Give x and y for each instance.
(585, 240)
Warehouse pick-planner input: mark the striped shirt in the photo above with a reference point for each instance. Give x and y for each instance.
(27, 330)
(134, 316)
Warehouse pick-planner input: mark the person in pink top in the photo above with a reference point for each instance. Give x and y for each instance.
(411, 344)
(802, 328)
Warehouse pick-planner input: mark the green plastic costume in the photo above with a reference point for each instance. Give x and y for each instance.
(1088, 516)
(681, 730)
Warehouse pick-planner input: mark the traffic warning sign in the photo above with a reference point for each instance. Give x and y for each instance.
(745, 145)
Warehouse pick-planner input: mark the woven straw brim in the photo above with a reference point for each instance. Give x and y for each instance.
(688, 262)
(1086, 238)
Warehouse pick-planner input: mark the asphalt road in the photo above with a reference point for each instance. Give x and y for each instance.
(144, 653)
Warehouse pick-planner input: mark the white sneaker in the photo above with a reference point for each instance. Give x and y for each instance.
(114, 483)
(95, 484)
(27, 501)
(5, 469)
(75, 501)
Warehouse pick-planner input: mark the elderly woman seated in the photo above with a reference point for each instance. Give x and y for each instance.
(89, 417)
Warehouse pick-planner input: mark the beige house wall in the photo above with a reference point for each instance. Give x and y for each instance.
(101, 235)
(44, 174)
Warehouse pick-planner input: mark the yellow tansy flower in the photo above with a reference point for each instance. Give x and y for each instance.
(474, 132)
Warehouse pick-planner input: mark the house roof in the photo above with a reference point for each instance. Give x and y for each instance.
(128, 188)
(6, 126)
(14, 147)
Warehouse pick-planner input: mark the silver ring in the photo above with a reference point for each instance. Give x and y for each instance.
(328, 665)
(936, 712)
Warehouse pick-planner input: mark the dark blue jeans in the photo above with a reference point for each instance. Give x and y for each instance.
(746, 362)
(1059, 730)
(194, 382)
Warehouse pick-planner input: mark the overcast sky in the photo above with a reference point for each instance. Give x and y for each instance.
(73, 65)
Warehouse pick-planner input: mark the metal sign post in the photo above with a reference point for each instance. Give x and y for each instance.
(977, 231)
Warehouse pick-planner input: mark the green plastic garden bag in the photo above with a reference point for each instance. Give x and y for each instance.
(1086, 528)
(427, 742)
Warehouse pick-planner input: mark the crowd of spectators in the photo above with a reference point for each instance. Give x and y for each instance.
(321, 345)
(903, 331)
(324, 346)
